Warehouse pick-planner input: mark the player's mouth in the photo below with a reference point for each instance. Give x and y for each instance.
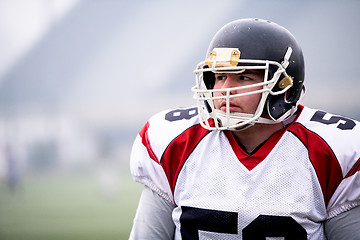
(232, 107)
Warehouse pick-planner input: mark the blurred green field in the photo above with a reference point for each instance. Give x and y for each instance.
(67, 207)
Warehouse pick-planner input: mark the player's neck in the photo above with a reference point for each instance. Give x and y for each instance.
(252, 137)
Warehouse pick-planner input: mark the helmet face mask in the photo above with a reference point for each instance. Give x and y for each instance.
(229, 52)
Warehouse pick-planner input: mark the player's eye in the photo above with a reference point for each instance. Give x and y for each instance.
(220, 77)
(244, 78)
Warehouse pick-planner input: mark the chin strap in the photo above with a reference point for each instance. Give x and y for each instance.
(238, 121)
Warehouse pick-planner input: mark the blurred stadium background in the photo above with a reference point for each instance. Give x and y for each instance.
(79, 78)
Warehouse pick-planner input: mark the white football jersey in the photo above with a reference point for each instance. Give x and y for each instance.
(302, 175)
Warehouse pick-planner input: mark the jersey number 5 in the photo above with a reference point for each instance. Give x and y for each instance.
(194, 219)
(345, 123)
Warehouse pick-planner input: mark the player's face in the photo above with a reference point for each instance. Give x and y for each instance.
(243, 104)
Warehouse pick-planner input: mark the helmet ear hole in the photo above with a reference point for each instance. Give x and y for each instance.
(287, 96)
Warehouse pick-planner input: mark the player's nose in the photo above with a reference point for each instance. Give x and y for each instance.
(230, 82)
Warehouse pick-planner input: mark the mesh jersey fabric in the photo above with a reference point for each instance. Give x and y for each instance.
(303, 175)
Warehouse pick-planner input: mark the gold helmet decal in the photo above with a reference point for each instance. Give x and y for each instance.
(223, 57)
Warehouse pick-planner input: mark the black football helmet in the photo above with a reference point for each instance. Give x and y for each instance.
(252, 44)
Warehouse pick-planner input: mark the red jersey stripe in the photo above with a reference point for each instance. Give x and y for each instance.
(354, 169)
(323, 159)
(179, 150)
(145, 141)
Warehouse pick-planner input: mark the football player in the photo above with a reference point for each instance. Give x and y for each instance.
(249, 161)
